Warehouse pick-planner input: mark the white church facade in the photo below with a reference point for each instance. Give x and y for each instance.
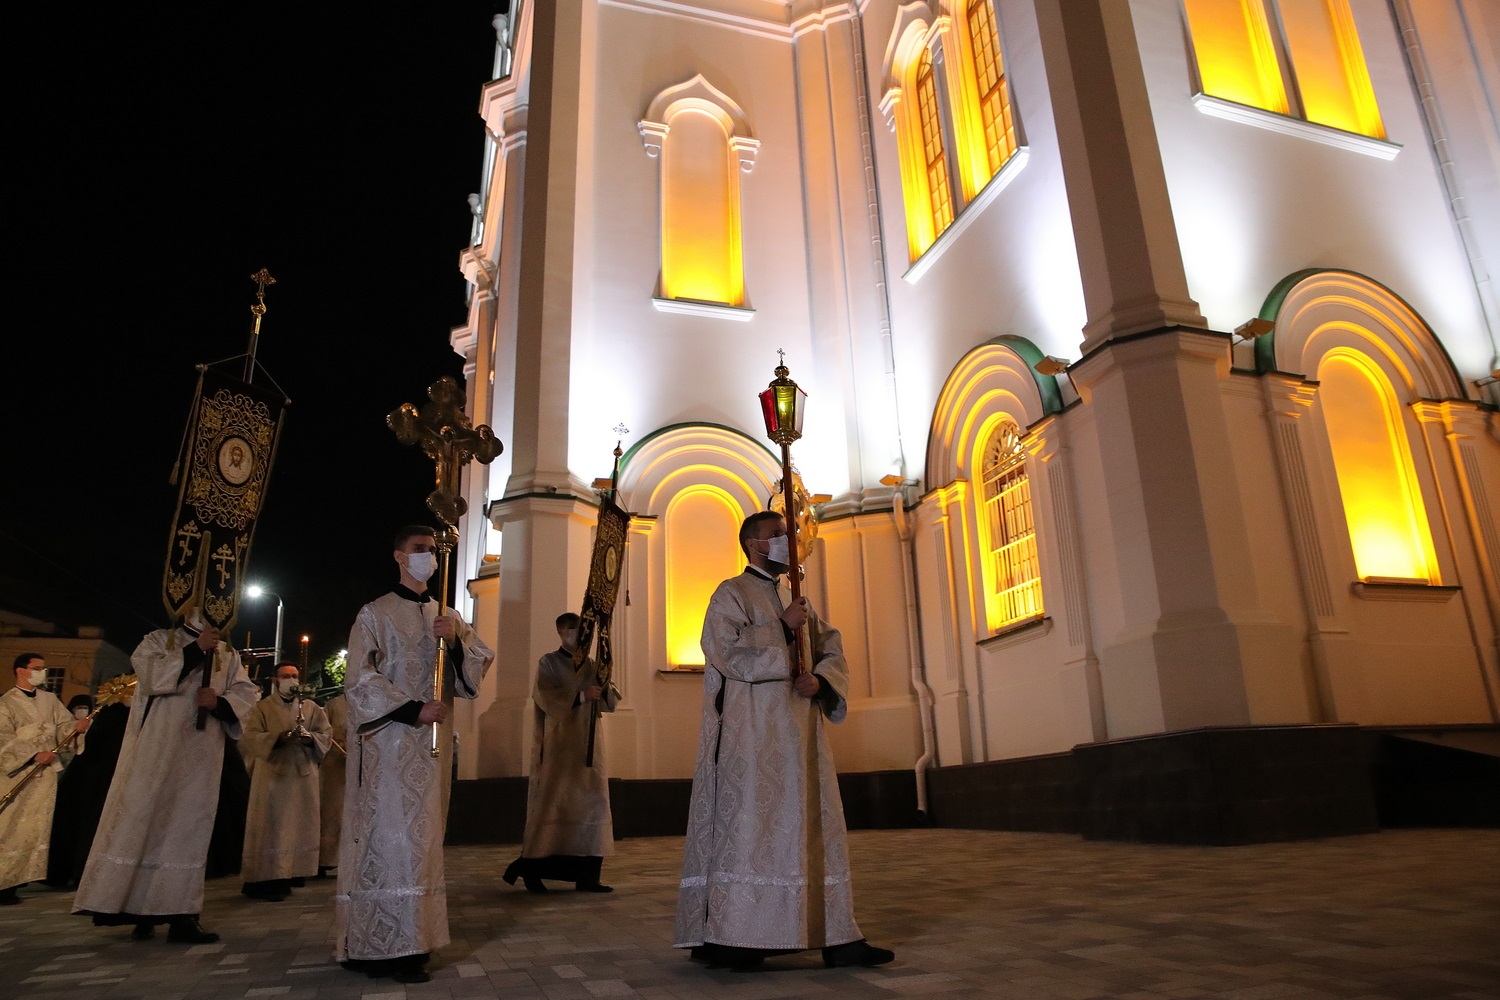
(1150, 348)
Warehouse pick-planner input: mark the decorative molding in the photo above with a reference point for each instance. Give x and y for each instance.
(759, 27)
(1014, 635)
(679, 671)
(1272, 121)
(1382, 590)
(713, 310)
(966, 217)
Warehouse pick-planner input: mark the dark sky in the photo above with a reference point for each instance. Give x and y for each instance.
(157, 160)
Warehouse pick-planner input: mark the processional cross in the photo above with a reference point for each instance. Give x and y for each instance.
(443, 431)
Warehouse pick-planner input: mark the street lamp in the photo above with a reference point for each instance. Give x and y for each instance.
(256, 590)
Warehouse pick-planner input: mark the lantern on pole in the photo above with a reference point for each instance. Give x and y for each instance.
(783, 404)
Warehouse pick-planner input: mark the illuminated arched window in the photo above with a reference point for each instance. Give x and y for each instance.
(1377, 482)
(702, 528)
(1012, 575)
(934, 144)
(1294, 57)
(704, 144)
(985, 76)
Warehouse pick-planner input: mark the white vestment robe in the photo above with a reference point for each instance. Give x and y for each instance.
(281, 826)
(149, 853)
(765, 864)
(567, 804)
(29, 725)
(391, 899)
(331, 779)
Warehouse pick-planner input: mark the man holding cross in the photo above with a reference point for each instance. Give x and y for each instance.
(391, 910)
(147, 863)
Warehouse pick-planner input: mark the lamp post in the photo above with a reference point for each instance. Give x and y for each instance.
(256, 590)
(782, 406)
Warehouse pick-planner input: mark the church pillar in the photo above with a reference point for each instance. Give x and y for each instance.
(851, 327)
(1461, 447)
(1186, 636)
(1128, 254)
(544, 519)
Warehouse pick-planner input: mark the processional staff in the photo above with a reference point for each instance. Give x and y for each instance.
(110, 691)
(443, 431)
(782, 405)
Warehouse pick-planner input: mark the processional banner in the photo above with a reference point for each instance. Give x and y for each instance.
(226, 466)
(603, 585)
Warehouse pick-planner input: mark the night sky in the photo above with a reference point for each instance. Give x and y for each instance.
(162, 159)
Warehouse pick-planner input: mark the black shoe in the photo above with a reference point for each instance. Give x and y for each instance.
(412, 975)
(296, 883)
(271, 892)
(594, 887)
(856, 953)
(535, 884)
(144, 930)
(187, 930)
(325, 871)
(8, 897)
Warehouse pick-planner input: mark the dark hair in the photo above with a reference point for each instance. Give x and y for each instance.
(80, 700)
(24, 660)
(567, 620)
(413, 531)
(750, 528)
(285, 663)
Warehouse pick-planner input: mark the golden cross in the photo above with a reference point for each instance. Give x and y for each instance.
(445, 435)
(262, 278)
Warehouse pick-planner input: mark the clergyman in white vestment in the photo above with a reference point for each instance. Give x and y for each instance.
(147, 863)
(32, 723)
(391, 910)
(765, 870)
(282, 823)
(569, 830)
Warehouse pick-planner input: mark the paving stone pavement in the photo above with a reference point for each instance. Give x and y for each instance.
(1399, 914)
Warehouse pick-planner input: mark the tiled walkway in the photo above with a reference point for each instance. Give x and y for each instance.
(970, 914)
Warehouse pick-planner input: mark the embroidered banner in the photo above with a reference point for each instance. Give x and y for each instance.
(230, 446)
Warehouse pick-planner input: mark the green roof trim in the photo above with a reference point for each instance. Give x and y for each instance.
(1046, 385)
(1265, 347)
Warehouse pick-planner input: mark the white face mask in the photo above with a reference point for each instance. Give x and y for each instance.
(420, 565)
(778, 550)
(80, 713)
(38, 678)
(570, 638)
(287, 686)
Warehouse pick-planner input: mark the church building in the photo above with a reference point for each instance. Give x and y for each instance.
(1150, 353)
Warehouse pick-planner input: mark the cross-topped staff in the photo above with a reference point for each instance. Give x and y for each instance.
(443, 431)
(262, 278)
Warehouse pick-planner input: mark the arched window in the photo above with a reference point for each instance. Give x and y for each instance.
(991, 90)
(1012, 575)
(702, 527)
(934, 144)
(1372, 460)
(704, 144)
(947, 99)
(1295, 57)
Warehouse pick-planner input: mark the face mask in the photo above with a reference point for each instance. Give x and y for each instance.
(420, 565)
(286, 687)
(37, 678)
(80, 713)
(570, 638)
(778, 550)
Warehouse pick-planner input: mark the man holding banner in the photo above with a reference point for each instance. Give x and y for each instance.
(569, 830)
(147, 863)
